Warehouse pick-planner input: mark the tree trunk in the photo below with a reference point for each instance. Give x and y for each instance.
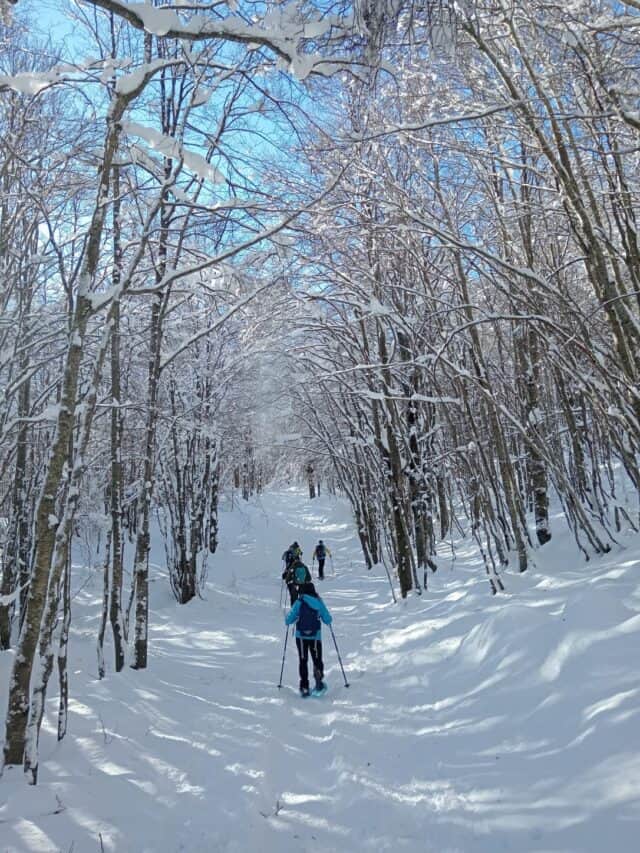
(213, 501)
(45, 536)
(311, 480)
(15, 564)
(63, 670)
(104, 611)
(141, 560)
(46, 522)
(116, 616)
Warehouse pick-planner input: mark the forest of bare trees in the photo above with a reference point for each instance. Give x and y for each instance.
(390, 251)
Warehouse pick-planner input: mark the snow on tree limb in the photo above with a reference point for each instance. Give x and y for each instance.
(5, 600)
(473, 115)
(281, 30)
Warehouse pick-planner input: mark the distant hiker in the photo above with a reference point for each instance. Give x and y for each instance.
(320, 554)
(307, 612)
(294, 576)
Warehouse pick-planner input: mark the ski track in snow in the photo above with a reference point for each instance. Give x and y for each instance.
(471, 724)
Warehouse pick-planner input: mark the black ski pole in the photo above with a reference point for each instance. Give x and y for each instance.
(286, 637)
(346, 683)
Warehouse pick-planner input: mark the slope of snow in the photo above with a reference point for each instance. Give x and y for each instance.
(471, 723)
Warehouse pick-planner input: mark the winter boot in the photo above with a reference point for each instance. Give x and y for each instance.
(320, 685)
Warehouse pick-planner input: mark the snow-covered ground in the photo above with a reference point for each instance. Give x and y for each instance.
(471, 723)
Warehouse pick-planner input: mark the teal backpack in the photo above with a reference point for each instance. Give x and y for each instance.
(301, 574)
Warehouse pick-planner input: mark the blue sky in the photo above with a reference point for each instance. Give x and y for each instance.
(47, 17)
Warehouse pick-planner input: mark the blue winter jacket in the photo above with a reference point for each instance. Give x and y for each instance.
(317, 604)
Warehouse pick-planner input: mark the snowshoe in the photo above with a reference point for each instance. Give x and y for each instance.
(320, 689)
(304, 692)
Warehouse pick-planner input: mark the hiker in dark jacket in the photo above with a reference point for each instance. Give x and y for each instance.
(307, 612)
(294, 576)
(320, 554)
(293, 552)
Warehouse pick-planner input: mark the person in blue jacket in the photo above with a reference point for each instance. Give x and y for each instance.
(308, 612)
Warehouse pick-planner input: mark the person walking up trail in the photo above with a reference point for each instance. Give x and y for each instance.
(293, 552)
(320, 554)
(308, 612)
(294, 576)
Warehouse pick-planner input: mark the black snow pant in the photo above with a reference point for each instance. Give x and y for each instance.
(321, 567)
(315, 647)
(293, 592)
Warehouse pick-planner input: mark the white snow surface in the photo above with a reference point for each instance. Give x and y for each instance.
(471, 723)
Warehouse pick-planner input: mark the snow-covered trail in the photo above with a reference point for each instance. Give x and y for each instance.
(469, 723)
(203, 752)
